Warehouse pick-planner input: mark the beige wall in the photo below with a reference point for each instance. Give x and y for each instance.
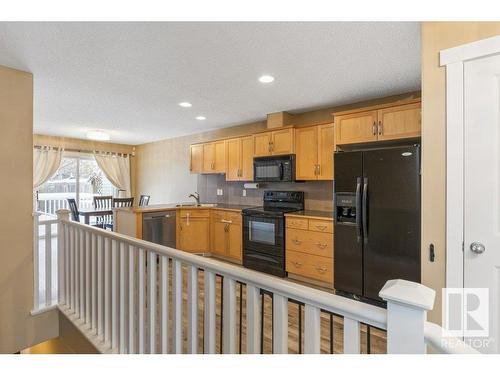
(437, 36)
(18, 329)
(88, 145)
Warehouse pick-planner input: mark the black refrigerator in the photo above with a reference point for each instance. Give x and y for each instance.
(377, 219)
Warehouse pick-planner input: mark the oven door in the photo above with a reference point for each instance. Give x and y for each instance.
(263, 243)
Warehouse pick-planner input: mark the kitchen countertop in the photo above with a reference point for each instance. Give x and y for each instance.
(173, 206)
(312, 214)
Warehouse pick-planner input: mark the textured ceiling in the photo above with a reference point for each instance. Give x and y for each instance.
(128, 78)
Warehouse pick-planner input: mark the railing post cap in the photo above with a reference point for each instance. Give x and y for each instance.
(63, 213)
(408, 293)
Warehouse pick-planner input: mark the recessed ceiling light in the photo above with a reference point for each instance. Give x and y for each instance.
(185, 104)
(201, 118)
(266, 79)
(98, 135)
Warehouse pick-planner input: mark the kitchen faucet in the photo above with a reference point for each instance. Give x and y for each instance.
(196, 196)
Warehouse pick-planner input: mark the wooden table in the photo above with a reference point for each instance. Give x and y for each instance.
(89, 212)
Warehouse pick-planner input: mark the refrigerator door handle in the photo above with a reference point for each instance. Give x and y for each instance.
(364, 213)
(358, 207)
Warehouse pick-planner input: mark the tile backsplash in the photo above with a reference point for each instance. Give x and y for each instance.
(318, 194)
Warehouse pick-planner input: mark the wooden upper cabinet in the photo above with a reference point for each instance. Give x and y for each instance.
(214, 157)
(314, 148)
(380, 123)
(326, 147)
(356, 127)
(277, 142)
(399, 122)
(246, 169)
(306, 149)
(239, 159)
(262, 144)
(196, 158)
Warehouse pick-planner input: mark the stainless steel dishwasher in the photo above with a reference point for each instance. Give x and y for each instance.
(159, 228)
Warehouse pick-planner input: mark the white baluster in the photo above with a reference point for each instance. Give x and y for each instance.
(280, 324)
(82, 273)
(312, 330)
(76, 273)
(107, 290)
(72, 268)
(100, 285)
(94, 274)
(88, 244)
(209, 326)
(48, 264)
(114, 295)
(67, 256)
(253, 319)
(131, 299)
(177, 305)
(229, 323)
(141, 320)
(152, 302)
(192, 309)
(164, 304)
(62, 248)
(351, 336)
(122, 337)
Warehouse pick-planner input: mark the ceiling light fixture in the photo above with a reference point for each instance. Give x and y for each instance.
(266, 79)
(201, 118)
(185, 104)
(98, 135)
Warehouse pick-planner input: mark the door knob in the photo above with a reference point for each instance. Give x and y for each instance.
(477, 247)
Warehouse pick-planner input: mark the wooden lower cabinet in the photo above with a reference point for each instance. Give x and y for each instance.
(193, 231)
(309, 249)
(226, 234)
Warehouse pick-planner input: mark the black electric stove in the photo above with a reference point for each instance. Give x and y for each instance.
(264, 231)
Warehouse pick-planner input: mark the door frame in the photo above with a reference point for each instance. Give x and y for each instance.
(453, 59)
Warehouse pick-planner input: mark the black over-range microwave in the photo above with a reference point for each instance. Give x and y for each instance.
(279, 168)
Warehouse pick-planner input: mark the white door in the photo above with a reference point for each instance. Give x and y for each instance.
(482, 184)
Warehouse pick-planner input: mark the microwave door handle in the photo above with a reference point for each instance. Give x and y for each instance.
(281, 171)
(365, 212)
(358, 208)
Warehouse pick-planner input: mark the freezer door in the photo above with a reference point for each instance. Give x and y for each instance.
(391, 207)
(348, 244)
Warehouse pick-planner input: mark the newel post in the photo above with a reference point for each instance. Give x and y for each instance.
(407, 306)
(62, 215)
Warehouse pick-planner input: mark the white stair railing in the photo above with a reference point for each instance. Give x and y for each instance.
(126, 295)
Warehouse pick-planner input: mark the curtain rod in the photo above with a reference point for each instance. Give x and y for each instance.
(86, 151)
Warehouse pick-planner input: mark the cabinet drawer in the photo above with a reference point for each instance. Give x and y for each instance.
(321, 226)
(309, 242)
(218, 215)
(312, 266)
(295, 222)
(234, 217)
(194, 213)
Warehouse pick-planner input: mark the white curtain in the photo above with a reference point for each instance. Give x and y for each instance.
(46, 162)
(117, 170)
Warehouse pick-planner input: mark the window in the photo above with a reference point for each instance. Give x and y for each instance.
(78, 177)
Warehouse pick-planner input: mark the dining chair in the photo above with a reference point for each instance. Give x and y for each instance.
(75, 214)
(103, 202)
(144, 200)
(119, 202)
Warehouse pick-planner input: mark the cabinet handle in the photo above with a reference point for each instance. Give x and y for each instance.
(226, 228)
(321, 245)
(187, 218)
(269, 147)
(319, 170)
(226, 221)
(374, 126)
(321, 227)
(296, 242)
(297, 264)
(380, 128)
(321, 269)
(212, 165)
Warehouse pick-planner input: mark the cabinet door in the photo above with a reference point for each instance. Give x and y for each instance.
(194, 234)
(209, 157)
(246, 166)
(282, 142)
(262, 144)
(306, 149)
(325, 151)
(233, 147)
(356, 128)
(196, 155)
(219, 237)
(399, 122)
(219, 157)
(234, 242)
